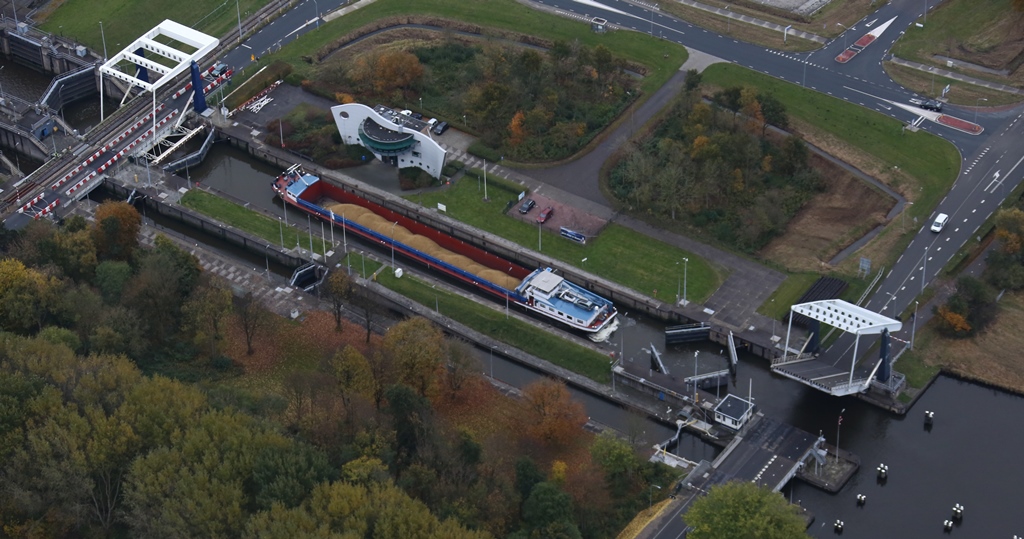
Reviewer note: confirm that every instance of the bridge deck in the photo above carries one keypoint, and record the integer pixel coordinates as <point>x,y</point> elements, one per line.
<point>768,453</point>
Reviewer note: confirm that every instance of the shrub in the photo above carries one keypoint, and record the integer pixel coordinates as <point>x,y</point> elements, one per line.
<point>483,151</point>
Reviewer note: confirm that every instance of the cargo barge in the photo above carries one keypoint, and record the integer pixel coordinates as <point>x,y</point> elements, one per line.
<point>541,291</point>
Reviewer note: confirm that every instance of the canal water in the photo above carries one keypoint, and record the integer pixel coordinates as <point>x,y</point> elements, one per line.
<point>969,456</point>
<point>29,84</point>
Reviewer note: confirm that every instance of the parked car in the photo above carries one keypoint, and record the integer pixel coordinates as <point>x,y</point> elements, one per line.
<point>417,116</point>
<point>440,128</point>
<point>545,215</point>
<point>528,205</point>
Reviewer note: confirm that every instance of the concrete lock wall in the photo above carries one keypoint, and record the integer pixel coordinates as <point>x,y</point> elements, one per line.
<point>623,297</point>
<point>244,240</point>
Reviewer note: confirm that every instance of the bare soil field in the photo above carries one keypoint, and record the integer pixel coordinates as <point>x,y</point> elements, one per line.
<point>847,210</point>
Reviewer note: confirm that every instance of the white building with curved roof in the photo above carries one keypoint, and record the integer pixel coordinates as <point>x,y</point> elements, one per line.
<point>395,138</point>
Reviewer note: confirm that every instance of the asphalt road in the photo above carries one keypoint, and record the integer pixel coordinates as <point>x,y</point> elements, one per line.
<point>990,168</point>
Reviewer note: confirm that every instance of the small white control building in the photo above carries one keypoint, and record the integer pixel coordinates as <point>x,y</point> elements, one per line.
<point>733,411</point>
<point>395,138</point>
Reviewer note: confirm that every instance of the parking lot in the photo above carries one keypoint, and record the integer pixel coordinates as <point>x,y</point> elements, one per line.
<point>563,215</point>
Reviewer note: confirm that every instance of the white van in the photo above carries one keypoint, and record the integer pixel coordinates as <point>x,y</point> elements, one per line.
<point>940,222</point>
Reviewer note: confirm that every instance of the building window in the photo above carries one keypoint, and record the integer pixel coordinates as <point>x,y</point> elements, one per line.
<point>416,154</point>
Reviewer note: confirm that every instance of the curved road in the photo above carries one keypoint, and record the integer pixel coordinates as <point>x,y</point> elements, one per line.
<point>990,161</point>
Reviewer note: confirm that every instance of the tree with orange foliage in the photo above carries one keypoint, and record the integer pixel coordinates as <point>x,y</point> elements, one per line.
<point>116,231</point>
<point>552,417</point>
<point>955,322</point>
<point>396,70</point>
<point>751,109</point>
<point>516,132</point>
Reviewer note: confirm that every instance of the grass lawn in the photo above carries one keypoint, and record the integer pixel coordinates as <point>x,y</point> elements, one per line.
<point>979,25</point>
<point>787,294</point>
<point>245,219</point>
<point>361,265</point>
<point>913,363</point>
<point>661,57</point>
<point>493,323</point>
<point>125,20</point>
<point>618,253</point>
<point>930,162</point>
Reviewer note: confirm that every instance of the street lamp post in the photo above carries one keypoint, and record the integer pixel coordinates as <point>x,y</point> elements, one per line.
<point>650,495</point>
<point>686,263</point>
<point>913,327</point>
<point>317,18</point>
<point>393,245</point>
<point>104,38</point>
<point>976,105</point>
<point>238,11</point>
<point>1,85</point>
<point>839,424</point>
<point>844,33</point>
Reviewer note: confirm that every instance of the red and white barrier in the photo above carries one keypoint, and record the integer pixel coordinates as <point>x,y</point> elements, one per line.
<point>49,207</point>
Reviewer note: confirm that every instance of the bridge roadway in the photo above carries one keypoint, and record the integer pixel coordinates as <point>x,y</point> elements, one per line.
<point>767,452</point>
<point>71,168</point>
<point>119,143</point>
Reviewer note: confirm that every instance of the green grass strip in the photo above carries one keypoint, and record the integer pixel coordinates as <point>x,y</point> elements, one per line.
<point>618,254</point>
<point>933,162</point>
<point>248,220</point>
<point>512,331</point>
<point>777,305</point>
<point>125,20</point>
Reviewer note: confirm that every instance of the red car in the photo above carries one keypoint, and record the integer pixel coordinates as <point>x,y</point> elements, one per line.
<point>545,215</point>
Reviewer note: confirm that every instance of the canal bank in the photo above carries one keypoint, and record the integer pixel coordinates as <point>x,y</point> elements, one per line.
<point>929,470</point>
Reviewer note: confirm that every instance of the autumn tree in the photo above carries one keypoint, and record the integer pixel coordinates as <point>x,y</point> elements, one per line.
<point>339,290</point>
<point>387,71</point>
<point>353,374</point>
<point>205,311</point>
<point>411,420</point>
<point>116,231</point>
<point>549,510</point>
<point>773,113</point>
<point>618,460</point>
<point>552,417</point>
<point>196,486</point>
<point>461,366</point>
<point>516,132</point>
<point>253,317</point>
<point>166,276</point>
<point>1006,264</point>
<point>111,276</point>
<point>417,348</point>
<point>969,310</point>
<point>72,250</point>
<point>750,107</point>
<point>26,296</point>
<point>741,510</point>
